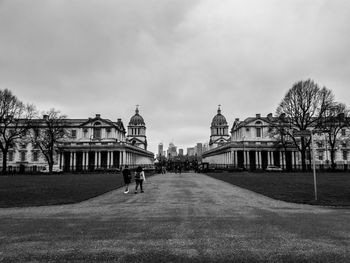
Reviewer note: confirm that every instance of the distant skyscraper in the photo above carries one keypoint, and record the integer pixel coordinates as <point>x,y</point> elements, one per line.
<point>160,149</point>
<point>190,151</point>
<point>172,150</point>
<point>199,148</point>
<point>181,151</point>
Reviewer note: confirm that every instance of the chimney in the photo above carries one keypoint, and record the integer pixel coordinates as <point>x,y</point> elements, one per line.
<point>258,115</point>
<point>237,119</point>
<point>98,115</point>
<point>269,116</point>
<point>45,117</point>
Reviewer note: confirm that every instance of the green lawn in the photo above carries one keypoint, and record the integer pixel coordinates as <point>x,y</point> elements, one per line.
<point>333,188</point>
<point>36,190</point>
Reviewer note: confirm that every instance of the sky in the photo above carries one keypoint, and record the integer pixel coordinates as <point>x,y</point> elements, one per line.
<point>177,59</point>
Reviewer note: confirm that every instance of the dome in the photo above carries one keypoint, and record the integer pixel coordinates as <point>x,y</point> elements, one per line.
<point>137,119</point>
<point>219,119</point>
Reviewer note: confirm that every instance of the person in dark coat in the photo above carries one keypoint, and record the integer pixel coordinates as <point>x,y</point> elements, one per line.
<point>127,178</point>
<point>139,178</point>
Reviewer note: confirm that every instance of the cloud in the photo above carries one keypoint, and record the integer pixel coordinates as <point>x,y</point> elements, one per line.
<point>177,59</point>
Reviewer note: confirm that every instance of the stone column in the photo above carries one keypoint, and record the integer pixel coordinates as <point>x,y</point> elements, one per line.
<point>96,159</point>
<point>108,159</point>
<point>260,161</point>
<point>84,160</point>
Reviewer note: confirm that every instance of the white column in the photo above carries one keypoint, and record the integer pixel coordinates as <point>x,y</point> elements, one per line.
<point>108,159</point>
<point>268,158</point>
<point>293,160</point>
<point>84,159</point>
<point>112,158</point>
<point>260,161</point>
<point>71,161</point>
<point>248,158</point>
<point>96,159</point>
<point>256,160</point>
<point>61,160</point>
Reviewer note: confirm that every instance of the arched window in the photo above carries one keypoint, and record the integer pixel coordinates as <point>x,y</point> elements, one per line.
<point>97,130</point>
<point>258,129</point>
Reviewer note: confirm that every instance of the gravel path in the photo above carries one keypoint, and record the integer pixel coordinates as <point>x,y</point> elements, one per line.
<point>187,217</point>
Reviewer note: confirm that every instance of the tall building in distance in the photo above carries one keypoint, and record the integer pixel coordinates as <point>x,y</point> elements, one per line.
<point>172,150</point>
<point>160,150</point>
<point>190,151</point>
<point>181,152</point>
<point>199,149</point>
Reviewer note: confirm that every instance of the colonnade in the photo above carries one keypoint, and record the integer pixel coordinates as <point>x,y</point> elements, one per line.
<point>91,160</point>
<point>256,158</point>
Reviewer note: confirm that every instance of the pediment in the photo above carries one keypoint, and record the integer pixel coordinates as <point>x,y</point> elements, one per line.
<point>253,122</point>
<point>91,122</point>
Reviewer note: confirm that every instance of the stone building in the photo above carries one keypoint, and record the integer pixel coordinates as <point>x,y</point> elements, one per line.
<point>94,144</point>
<point>252,147</point>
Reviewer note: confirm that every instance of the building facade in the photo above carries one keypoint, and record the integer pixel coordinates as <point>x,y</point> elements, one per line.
<point>252,147</point>
<point>94,144</point>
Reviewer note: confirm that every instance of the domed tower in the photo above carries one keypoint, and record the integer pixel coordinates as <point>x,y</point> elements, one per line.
<point>137,130</point>
<point>219,130</point>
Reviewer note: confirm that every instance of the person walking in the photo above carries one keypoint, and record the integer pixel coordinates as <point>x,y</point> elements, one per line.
<point>139,178</point>
<point>127,178</point>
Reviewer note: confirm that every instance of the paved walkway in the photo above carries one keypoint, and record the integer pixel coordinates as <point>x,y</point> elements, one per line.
<point>187,217</point>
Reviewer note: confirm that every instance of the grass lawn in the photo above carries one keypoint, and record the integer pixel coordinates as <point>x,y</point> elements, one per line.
<point>37,190</point>
<point>333,188</point>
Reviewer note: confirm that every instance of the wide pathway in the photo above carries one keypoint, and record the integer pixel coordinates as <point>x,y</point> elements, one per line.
<point>179,218</point>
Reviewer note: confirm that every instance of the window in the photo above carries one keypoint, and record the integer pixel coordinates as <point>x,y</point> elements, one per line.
<point>74,134</point>
<point>85,133</point>
<point>97,130</point>
<point>23,156</point>
<point>23,146</point>
<point>258,132</point>
<point>345,155</point>
<point>320,155</point>
<point>10,156</point>
<point>35,156</point>
<point>343,132</point>
<point>108,131</point>
<point>343,145</point>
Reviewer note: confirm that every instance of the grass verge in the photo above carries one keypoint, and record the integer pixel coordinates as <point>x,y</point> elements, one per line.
<point>333,189</point>
<point>54,189</point>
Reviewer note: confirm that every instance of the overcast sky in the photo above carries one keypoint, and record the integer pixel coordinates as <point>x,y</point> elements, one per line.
<point>178,59</point>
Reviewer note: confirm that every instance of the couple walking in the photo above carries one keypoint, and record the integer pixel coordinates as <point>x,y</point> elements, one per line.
<point>139,178</point>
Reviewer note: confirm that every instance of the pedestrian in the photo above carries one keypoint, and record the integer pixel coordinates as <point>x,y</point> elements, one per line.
<point>139,178</point>
<point>127,178</point>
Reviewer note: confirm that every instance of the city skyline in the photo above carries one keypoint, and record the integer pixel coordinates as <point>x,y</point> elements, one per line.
<point>177,59</point>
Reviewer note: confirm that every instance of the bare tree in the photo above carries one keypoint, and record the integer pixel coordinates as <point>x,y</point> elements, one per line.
<point>301,109</point>
<point>333,121</point>
<point>48,132</point>
<point>15,121</point>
